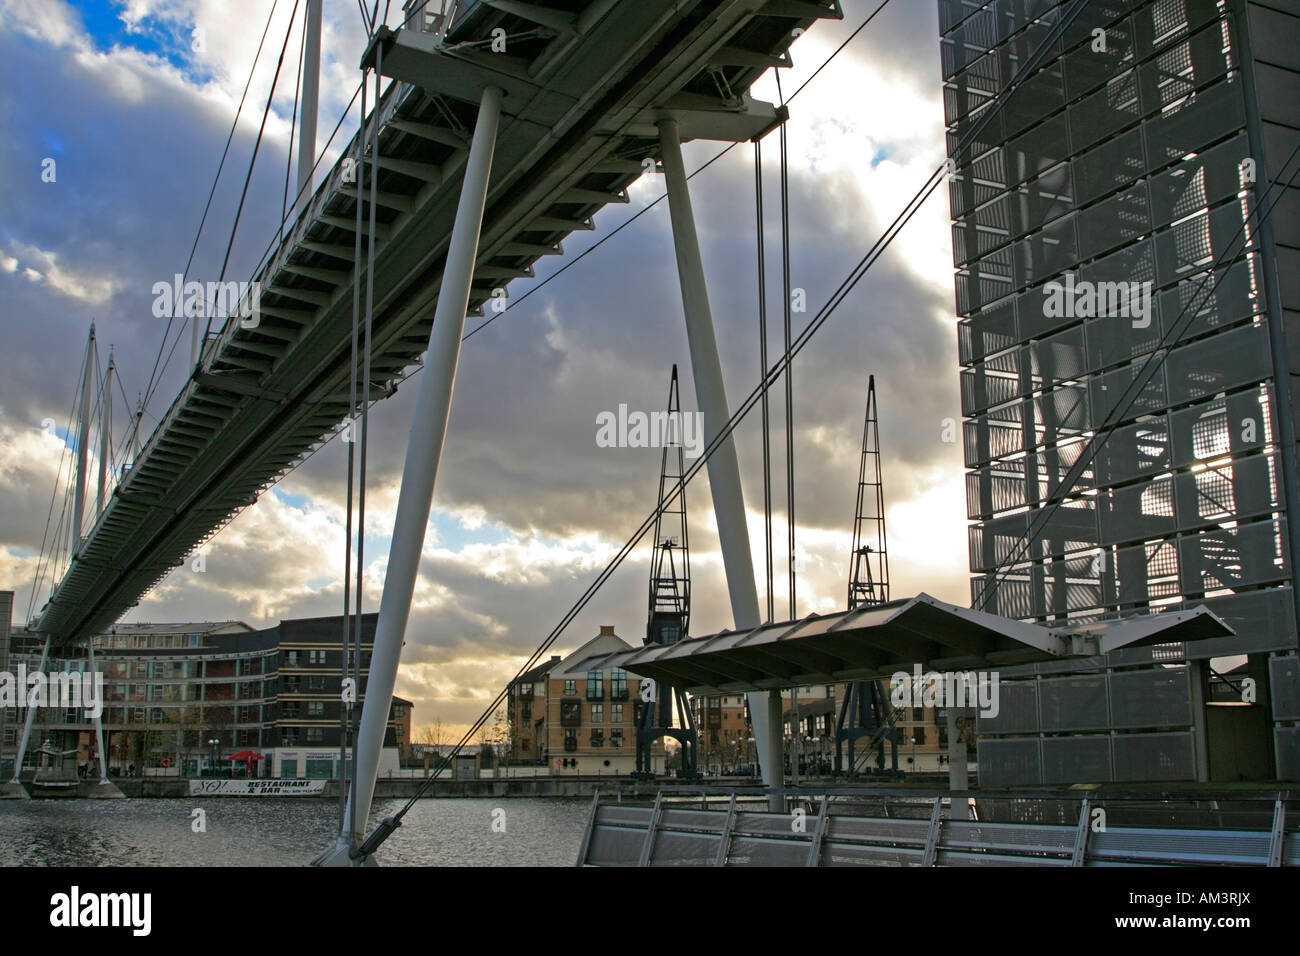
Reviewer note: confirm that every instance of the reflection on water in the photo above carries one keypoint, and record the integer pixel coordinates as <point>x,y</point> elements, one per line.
<point>287,831</point>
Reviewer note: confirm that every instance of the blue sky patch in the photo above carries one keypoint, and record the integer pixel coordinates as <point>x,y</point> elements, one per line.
<point>166,40</point>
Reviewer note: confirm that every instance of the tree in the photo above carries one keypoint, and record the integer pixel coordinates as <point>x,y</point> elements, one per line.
<point>436,733</point>
<point>501,732</point>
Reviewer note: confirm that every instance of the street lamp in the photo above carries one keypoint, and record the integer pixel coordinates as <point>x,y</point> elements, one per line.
<point>213,743</point>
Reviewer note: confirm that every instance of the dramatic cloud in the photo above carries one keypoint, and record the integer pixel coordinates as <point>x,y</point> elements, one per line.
<point>133,102</point>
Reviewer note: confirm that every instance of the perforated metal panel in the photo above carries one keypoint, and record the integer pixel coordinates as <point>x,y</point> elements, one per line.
<point>1284,687</point>
<point>1153,756</point>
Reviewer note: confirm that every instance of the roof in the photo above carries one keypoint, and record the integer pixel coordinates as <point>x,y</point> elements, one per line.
<point>181,627</point>
<point>599,647</point>
<point>537,673</point>
<point>875,641</point>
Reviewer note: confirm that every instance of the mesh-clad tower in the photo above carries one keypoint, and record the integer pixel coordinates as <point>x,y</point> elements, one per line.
<point>1143,149</point>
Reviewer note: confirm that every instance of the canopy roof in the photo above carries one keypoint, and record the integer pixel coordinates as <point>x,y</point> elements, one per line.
<point>875,641</point>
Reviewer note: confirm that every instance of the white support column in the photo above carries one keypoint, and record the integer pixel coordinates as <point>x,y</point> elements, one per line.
<point>309,109</point>
<point>420,470</point>
<point>105,429</point>
<point>770,757</point>
<point>724,470</point>
<point>83,449</point>
<point>958,773</point>
<point>27,723</point>
<point>98,721</point>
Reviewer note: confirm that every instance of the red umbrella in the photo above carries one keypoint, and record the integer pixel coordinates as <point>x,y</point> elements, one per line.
<point>248,756</point>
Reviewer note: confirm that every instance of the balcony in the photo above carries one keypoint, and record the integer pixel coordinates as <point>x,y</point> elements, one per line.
<point>618,692</point>
<point>595,693</point>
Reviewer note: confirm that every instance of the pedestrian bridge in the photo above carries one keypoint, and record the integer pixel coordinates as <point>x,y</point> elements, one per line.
<point>582,86</point>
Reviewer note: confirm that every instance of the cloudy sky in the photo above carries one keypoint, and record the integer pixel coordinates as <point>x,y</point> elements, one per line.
<point>132,100</point>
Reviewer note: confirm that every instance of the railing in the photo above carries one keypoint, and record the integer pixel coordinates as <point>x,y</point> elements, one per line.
<point>911,828</point>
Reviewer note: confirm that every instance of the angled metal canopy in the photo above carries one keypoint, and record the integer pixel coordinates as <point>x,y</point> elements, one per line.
<point>873,642</point>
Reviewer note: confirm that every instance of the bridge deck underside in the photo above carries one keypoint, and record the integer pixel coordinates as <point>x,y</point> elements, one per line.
<point>581,96</point>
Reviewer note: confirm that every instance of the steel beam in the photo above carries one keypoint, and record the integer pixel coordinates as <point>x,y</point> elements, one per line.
<point>423,455</point>
<point>29,720</point>
<point>723,467</point>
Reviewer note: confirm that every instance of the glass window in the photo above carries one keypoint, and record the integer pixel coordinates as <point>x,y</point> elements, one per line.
<point>315,708</point>
<point>320,769</point>
<point>316,657</point>
<point>315,735</point>
<point>618,684</point>
<point>616,737</point>
<point>597,713</point>
<point>615,713</point>
<point>595,685</point>
<point>289,768</point>
<point>570,688</point>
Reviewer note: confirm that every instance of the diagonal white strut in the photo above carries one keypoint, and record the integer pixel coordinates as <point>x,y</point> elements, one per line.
<point>420,470</point>
<point>724,470</point>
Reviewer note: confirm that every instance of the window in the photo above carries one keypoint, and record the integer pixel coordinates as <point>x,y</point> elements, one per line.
<point>597,713</point>
<point>570,688</point>
<point>570,713</point>
<point>316,657</point>
<point>618,684</point>
<point>595,685</point>
<point>597,737</point>
<point>918,714</point>
<point>320,769</point>
<point>525,744</point>
<point>315,735</point>
<point>570,740</point>
<point>616,737</point>
<point>918,734</point>
<point>526,710</point>
<point>615,713</point>
<point>289,738</point>
<point>291,659</point>
<point>316,683</point>
<point>315,708</point>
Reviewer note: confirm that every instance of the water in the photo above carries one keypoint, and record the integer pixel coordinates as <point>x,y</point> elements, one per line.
<point>286,831</point>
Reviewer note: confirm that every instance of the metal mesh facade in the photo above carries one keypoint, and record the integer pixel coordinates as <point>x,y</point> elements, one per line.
<point>1086,216</point>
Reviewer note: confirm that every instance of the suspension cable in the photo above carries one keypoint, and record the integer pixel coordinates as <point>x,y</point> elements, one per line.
<point>43,561</point>
<point>248,177</point>
<point>149,387</point>
<point>873,254</point>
